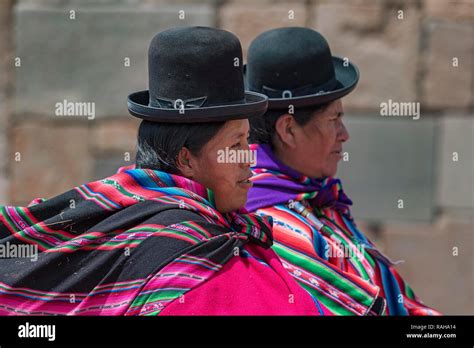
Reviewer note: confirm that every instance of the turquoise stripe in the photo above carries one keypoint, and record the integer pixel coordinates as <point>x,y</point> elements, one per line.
<point>355,231</point>
<point>94,193</point>
<point>142,178</point>
<point>392,291</point>
<point>246,254</point>
<point>319,243</point>
<point>318,305</point>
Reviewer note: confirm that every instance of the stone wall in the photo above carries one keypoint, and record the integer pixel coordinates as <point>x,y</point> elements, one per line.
<point>5,95</point>
<point>407,51</point>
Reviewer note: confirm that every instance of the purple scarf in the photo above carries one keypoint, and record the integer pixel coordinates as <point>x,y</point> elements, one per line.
<point>275,183</point>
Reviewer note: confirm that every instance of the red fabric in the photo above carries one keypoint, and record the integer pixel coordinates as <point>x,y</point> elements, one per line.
<point>245,286</point>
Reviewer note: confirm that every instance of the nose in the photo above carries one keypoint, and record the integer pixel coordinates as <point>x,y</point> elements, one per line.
<point>248,158</point>
<point>343,133</point>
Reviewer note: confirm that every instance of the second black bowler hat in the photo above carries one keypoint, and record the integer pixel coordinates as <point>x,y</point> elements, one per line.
<point>294,66</point>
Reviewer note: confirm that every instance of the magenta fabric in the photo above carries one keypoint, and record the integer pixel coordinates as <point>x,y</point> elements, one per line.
<point>264,289</point>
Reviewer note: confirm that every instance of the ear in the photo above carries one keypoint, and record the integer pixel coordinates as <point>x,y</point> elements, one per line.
<point>285,130</point>
<point>184,162</point>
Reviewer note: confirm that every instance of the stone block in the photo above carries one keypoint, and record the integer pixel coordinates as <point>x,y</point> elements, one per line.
<point>448,65</point>
<point>247,19</point>
<point>438,263</point>
<point>454,10</point>
<point>46,160</point>
<point>390,159</point>
<point>116,136</point>
<point>456,162</point>
<point>384,47</point>
<point>85,59</point>
<point>107,164</point>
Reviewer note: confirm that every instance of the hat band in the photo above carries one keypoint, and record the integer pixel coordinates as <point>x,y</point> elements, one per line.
<point>300,91</point>
<point>192,103</point>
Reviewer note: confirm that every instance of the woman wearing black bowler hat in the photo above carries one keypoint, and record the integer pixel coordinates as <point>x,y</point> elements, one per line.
<point>168,236</point>
<point>299,144</point>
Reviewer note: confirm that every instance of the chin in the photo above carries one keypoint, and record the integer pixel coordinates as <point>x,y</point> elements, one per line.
<point>230,200</point>
<point>226,210</point>
<point>240,204</point>
<point>231,206</point>
<point>330,172</point>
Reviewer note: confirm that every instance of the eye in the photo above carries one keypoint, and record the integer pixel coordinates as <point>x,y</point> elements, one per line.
<point>235,145</point>
<point>337,117</point>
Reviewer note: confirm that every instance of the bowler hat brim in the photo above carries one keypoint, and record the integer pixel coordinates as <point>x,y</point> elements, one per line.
<point>254,104</point>
<point>347,76</point>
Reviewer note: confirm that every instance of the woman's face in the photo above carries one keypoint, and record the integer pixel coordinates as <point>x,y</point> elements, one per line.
<point>220,173</point>
<point>318,144</point>
<point>314,149</point>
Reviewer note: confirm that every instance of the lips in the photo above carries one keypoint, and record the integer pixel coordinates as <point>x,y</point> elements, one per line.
<point>246,180</point>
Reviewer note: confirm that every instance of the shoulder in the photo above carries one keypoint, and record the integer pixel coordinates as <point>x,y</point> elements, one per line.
<point>187,222</point>
<point>173,216</point>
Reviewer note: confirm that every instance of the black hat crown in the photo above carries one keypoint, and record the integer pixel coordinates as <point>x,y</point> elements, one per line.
<point>185,64</point>
<point>295,66</point>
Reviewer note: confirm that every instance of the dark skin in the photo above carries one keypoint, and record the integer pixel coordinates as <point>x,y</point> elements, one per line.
<point>321,139</point>
<point>228,181</point>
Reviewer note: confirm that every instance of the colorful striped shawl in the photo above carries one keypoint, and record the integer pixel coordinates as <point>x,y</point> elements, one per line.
<point>314,232</point>
<point>126,245</point>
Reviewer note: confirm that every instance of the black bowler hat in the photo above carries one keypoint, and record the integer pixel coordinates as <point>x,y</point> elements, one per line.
<point>195,75</point>
<point>294,66</point>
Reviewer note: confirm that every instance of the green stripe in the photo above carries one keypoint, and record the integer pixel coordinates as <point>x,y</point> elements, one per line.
<point>142,300</point>
<point>148,229</point>
<point>23,214</point>
<point>166,229</point>
<point>409,292</point>
<point>7,218</point>
<point>120,188</point>
<point>181,234</point>
<point>118,285</point>
<point>334,306</point>
<point>354,241</point>
<point>41,294</point>
<point>196,228</point>
<point>58,233</point>
<point>357,263</point>
<point>22,233</point>
<point>110,244</point>
<point>96,197</point>
<point>325,273</point>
